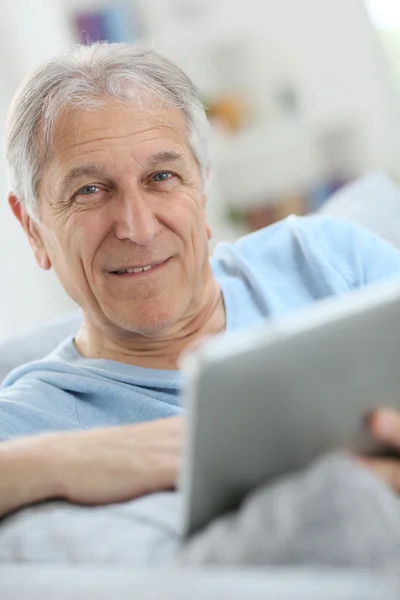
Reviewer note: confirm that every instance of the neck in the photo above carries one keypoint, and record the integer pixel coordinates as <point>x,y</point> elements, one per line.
<point>161,352</point>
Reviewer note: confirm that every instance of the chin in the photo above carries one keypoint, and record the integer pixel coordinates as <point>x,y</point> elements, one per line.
<point>151,324</point>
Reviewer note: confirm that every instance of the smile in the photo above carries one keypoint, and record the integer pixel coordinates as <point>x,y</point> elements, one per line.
<point>143,269</point>
<point>135,270</point>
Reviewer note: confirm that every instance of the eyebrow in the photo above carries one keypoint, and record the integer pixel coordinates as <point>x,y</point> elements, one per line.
<point>92,170</point>
<point>167,157</point>
<point>76,173</point>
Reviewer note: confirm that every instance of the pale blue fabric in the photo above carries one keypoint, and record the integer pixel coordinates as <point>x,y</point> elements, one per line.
<point>270,273</point>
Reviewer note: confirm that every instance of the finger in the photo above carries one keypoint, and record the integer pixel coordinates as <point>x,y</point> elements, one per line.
<point>388,470</point>
<point>384,425</point>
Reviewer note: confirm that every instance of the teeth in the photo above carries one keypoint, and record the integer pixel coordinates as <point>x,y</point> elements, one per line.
<point>135,270</point>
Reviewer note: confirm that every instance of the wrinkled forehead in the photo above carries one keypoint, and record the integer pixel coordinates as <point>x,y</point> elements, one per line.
<point>116,123</point>
<point>112,135</point>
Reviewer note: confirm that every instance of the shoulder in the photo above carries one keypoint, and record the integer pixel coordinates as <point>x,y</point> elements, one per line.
<point>337,245</point>
<point>291,230</point>
<point>361,254</point>
<point>60,360</point>
<point>36,397</point>
<point>330,233</point>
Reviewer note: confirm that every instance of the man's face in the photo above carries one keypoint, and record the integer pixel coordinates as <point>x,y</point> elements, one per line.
<point>123,191</point>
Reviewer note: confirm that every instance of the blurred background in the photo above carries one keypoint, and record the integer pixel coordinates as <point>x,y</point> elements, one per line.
<point>303,96</point>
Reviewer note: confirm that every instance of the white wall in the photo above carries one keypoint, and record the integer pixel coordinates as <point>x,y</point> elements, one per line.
<point>336,54</point>
<point>332,53</point>
<point>30,31</point>
<point>328,49</point>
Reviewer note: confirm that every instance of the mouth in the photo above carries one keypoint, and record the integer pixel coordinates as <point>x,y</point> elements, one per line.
<point>138,270</point>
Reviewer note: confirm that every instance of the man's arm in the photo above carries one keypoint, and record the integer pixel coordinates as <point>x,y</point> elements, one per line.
<point>116,464</point>
<point>99,466</point>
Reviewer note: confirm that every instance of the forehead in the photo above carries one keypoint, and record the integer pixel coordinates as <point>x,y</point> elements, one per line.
<point>117,127</point>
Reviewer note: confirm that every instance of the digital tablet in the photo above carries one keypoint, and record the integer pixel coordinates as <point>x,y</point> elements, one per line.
<point>265,403</point>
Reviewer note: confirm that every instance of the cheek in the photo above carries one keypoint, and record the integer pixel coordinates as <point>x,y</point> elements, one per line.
<point>82,234</point>
<point>193,233</point>
<point>186,217</point>
<point>68,245</point>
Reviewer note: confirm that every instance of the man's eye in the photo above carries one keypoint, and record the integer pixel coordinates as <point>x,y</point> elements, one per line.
<point>88,190</point>
<point>162,176</point>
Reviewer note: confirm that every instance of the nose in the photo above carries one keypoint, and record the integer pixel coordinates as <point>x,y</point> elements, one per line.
<point>134,218</point>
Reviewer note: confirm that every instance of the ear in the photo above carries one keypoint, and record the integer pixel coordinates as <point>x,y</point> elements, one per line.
<point>32,231</point>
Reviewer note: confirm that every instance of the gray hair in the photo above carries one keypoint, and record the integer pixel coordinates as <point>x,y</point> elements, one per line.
<point>85,79</point>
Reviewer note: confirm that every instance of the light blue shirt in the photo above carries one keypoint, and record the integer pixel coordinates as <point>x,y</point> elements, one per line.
<point>269,273</point>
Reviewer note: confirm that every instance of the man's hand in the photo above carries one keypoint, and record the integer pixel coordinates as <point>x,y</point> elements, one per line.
<point>384,425</point>
<point>98,466</point>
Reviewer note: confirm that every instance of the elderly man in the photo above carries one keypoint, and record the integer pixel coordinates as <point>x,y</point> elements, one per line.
<point>107,151</point>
